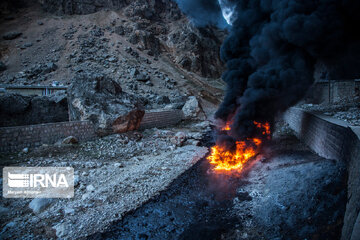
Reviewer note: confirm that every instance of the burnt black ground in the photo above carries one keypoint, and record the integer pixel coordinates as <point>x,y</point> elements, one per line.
<point>290,193</point>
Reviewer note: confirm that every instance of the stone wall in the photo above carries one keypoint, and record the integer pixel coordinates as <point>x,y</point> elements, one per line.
<point>17,138</point>
<point>333,139</point>
<point>161,119</point>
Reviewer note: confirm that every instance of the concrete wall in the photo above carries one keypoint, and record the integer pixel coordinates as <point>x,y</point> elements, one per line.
<point>339,90</point>
<point>17,138</point>
<point>333,139</point>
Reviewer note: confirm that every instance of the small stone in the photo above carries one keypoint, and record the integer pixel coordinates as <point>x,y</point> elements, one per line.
<point>195,142</point>
<point>85,196</point>
<point>134,72</point>
<point>178,139</point>
<point>76,180</point>
<point>69,210</point>
<point>203,125</point>
<point>112,59</point>
<point>196,136</point>
<point>25,150</point>
<point>61,230</point>
<point>118,165</point>
<point>162,100</point>
<point>28,44</point>
<point>142,77</point>
<point>39,204</point>
<point>11,35</point>
<point>90,188</point>
<point>119,30</point>
<point>49,67</point>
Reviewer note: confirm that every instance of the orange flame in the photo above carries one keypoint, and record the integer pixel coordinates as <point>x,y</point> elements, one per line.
<point>223,159</point>
<point>265,127</point>
<point>226,127</point>
<point>226,160</point>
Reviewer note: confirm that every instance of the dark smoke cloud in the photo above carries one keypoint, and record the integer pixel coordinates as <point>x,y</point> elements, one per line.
<point>271,52</point>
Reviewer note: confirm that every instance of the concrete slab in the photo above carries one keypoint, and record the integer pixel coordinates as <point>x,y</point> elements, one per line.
<point>356,130</point>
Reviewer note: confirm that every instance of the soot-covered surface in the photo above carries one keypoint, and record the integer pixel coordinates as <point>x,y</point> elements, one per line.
<point>289,194</point>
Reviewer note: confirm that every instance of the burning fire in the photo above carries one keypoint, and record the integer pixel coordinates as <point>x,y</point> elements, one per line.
<point>226,160</point>
<point>226,127</point>
<point>265,127</point>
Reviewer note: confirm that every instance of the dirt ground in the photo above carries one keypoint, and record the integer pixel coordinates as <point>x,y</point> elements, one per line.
<point>113,175</point>
<point>287,192</point>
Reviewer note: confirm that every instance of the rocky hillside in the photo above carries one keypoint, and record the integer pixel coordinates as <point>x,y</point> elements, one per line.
<point>142,40</point>
<point>156,26</point>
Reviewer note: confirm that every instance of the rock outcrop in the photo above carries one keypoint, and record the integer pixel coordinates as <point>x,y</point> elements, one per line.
<point>101,100</point>
<point>17,110</point>
<point>196,49</point>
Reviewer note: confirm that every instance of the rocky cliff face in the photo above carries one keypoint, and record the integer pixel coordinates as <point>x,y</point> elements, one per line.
<point>158,27</point>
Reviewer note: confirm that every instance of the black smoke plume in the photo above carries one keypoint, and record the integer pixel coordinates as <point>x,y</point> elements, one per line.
<point>271,52</point>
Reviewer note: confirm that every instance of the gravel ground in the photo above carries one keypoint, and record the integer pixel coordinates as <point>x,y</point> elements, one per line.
<point>113,175</point>
<point>346,111</point>
<point>286,193</point>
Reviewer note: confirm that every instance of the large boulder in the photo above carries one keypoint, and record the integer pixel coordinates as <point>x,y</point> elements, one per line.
<point>101,100</point>
<point>192,109</point>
